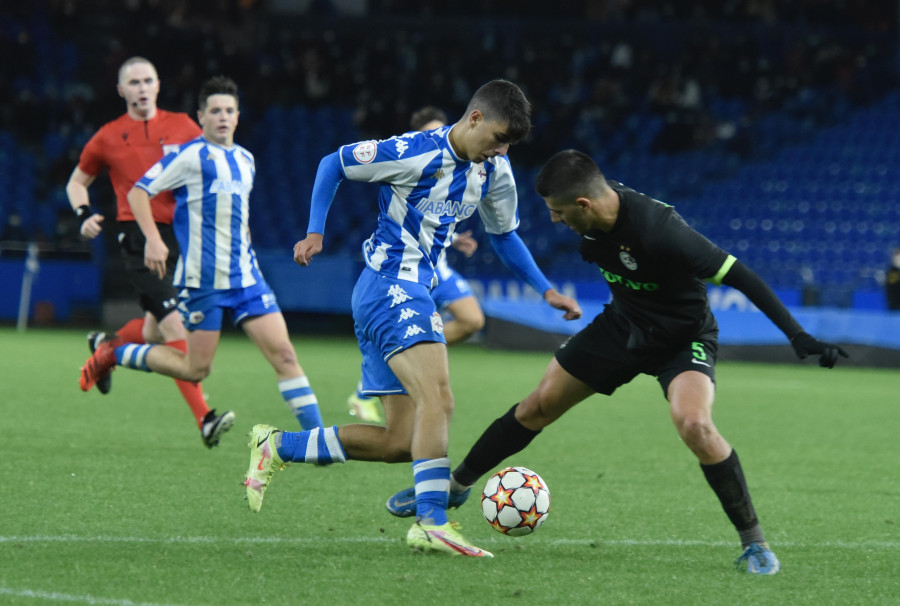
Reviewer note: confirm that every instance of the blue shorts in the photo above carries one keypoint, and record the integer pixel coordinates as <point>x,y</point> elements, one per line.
<point>452,287</point>
<point>390,315</point>
<point>202,308</point>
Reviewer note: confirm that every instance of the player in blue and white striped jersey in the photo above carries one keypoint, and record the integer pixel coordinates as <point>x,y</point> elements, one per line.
<point>453,296</point>
<point>430,181</point>
<point>212,177</point>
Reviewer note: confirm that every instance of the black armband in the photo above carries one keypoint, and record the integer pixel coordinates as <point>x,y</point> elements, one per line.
<point>83,212</point>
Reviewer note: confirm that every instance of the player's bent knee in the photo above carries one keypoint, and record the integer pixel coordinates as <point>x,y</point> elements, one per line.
<point>531,414</point>
<point>695,430</point>
<point>195,375</point>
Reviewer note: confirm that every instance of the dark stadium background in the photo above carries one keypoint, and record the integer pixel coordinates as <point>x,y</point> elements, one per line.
<point>771,126</point>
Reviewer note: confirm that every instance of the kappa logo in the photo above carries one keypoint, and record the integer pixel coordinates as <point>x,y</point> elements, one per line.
<point>399,295</point>
<point>268,300</point>
<point>402,146</point>
<point>406,313</point>
<point>412,331</point>
<point>169,303</point>
<point>365,152</point>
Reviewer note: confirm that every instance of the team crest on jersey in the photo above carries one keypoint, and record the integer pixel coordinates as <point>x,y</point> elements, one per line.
<point>437,324</point>
<point>170,148</point>
<point>365,152</point>
<point>195,317</point>
<point>627,260</point>
<point>482,174</point>
<point>154,171</point>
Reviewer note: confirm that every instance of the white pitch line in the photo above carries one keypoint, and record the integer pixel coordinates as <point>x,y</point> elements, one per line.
<point>397,539</point>
<point>54,596</point>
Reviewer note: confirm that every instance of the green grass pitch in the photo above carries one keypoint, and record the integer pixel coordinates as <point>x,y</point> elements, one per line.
<point>113,499</point>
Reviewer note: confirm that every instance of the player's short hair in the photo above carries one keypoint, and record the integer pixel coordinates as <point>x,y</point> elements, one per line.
<point>569,174</point>
<point>133,61</point>
<point>217,85</point>
<point>503,101</point>
<point>427,114</point>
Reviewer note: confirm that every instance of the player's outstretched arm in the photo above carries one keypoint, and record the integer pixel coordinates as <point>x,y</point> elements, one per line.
<point>558,300</point>
<point>307,248</point>
<point>328,177</point>
<point>516,256</point>
<point>805,344</point>
<point>748,282</point>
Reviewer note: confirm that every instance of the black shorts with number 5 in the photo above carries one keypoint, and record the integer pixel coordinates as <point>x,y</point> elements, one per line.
<point>598,357</point>
<point>157,296</point>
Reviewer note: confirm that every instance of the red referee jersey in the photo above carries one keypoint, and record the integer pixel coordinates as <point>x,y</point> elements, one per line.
<point>128,147</point>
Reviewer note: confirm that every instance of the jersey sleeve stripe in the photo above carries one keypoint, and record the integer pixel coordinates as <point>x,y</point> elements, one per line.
<point>717,279</point>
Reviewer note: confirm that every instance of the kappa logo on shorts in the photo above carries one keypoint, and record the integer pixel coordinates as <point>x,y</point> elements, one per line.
<point>399,295</point>
<point>268,300</point>
<point>169,303</point>
<point>412,331</point>
<point>406,313</point>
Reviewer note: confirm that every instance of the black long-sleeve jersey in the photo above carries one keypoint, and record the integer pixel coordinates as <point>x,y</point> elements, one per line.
<point>656,266</point>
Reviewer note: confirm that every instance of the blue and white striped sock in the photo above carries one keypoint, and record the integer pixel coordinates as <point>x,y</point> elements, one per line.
<point>302,401</point>
<point>133,356</point>
<point>320,446</point>
<point>432,478</point>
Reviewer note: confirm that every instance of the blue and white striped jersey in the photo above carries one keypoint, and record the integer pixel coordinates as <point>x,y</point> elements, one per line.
<point>427,189</point>
<point>212,187</point>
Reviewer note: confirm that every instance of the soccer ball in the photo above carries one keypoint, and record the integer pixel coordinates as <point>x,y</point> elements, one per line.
<point>515,501</point>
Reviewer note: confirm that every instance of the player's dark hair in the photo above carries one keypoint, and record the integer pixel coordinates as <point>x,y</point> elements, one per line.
<point>217,85</point>
<point>427,114</point>
<point>503,101</point>
<point>568,174</point>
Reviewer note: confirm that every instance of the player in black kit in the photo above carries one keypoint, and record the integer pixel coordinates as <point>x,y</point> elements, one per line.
<point>658,323</point>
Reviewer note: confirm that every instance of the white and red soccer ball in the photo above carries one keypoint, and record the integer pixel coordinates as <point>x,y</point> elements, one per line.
<point>515,501</point>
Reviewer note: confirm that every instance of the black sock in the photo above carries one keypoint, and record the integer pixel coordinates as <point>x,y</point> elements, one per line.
<point>504,437</point>
<point>727,481</point>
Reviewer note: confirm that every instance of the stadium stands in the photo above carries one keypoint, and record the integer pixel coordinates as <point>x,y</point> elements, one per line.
<point>769,131</point>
